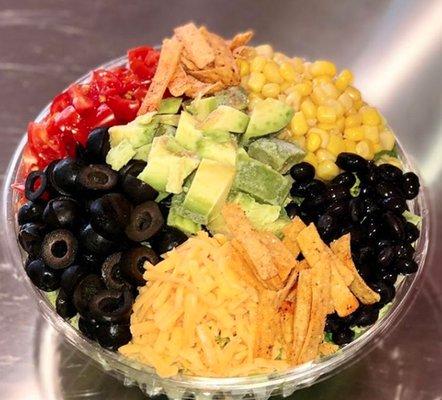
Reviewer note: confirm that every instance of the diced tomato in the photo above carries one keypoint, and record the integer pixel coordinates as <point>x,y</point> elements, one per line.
<point>104,117</point>
<point>143,61</point>
<point>125,109</point>
<point>128,79</point>
<point>80,98</point>
<point>106,82</point>
<point>140,93</point>
<point>60,102</point>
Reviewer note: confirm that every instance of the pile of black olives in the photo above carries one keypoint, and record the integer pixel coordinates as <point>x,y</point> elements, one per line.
<point>381,238</point>
<point>88,231</point>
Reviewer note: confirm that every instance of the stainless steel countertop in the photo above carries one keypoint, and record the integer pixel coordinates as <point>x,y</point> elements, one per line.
<point>394,49</point>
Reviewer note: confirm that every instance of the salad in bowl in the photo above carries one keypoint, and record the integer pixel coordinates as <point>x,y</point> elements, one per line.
<point>214,217</point>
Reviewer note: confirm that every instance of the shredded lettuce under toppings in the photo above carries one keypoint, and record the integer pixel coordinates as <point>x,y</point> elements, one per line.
<point>298,200</point>
<point>413,218</point>
<point>355,189</point>
<point>328,337</point>
<point>391,153</point>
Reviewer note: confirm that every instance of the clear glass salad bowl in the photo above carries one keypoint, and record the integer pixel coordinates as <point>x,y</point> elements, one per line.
<point>260,386</point>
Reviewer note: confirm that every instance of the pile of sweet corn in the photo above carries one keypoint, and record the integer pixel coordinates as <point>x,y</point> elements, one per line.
<point>330,115</point>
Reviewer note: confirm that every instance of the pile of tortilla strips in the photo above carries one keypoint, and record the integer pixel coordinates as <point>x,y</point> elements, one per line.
<point>195,62</point>
<point>295,297</point>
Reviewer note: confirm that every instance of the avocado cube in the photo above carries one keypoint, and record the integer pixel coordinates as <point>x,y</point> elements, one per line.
<point>268,116</point>
<point>187,134</point>
<point>142,153</point>
<point>234,96</point>
<point>201,108</point>
<point>226,118</point>
<point>277,153</point>
<point>171,105</point>
<point>120,155</point>
<point>208,191</point>
<point>222,152</point>
<point>175,219</point>
<point>167,119</point>
<point>261,181</point>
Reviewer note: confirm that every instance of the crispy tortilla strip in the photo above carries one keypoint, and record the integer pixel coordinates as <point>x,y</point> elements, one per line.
<point>267,325</point>
<point>288,288</point>
<point>223,54</point>
<point>195,44</point>
<point>341,247</point>
<point>286,312</point>
<point>291,232</point>
<point>187,63</point>
<point>343,300</point>
<point>303,264</point>
<point>244,52</point>
<point>312,247</point>
<point>302,312</point>
<point>167,64</point>
<point>241,229</point>
<point>320,275</point>
<point>282,257</point>
<point>215,74</point>
<point>197,88</point>
<point>179,82</point>
<point>327,349</point>
<point>240,39</point>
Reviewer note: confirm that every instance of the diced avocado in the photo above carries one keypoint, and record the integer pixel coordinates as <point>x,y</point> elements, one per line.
<point>222,152</point>
<point>200,108</point>
<point>175,218</point>
<point>171,105</point>
<point>277,153</point>
<point>167,119</point>
<point>120,155</point>
<point>161,196</point>
<point>166,170</point>
<point>142,153</point>
<point>187,134</point>
<point>217,225</point>
<point>164,129</point>
<point>268,116</point>
<point>208,191</point>
<point>277,226</point>
<point>218,136</point>
<point>138,132</point>
<point>226,118</point>
<point>234,96</point>
<point>260,215</point>
<point>261,181</point>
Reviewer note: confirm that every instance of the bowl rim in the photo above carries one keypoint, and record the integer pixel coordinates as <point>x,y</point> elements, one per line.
<point>406,292</point>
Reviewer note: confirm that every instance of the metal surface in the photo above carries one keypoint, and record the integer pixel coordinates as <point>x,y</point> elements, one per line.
<point>393,47</point>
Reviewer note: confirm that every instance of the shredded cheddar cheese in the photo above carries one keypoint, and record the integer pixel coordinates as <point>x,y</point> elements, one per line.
<point>196,316</point>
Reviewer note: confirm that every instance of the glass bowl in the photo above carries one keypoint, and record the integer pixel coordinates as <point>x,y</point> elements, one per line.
<point>259,386</point>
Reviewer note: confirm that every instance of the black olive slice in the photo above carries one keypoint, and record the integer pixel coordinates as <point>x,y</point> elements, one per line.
<point>59,249</point>
<point>111,273</point>
<point>62,212</point>
<point>95,243</point>
<point>36,184</point>
<point>111,306</point>
<point>97,178</point>
<point>85,290</point>
<point>112,336</point>
<point>98,144</point>
<point>132,263</point>
<point>64,175</point>
<point>64,306</point>
<point>30,238</point>
<point>88,327</point>
<point>167,239</point>
<point>70,278</point>
<point>145,221</point>
<point>110,215</point>
<point>45,278</point>
<point>30,212</point>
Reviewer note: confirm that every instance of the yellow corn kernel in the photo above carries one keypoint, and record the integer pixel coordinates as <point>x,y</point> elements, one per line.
<point>311,159</point>
<point>365,149</point>
<point>353,120</point>
<point>294,100</point>
<point>270,90</point>
<point>344,79</point>
<point>322,79</point>
<point>345,101</point>
<point>287,71</point>
<point>318,96</point>
<point>336,105</point>
<point>323,154</point>
<point>322,134</point>
<point>282,97</point>
<point>280,57</point>
<point>257,64</point>
<point>299,124</point>
<point>244,67</point>
<point>256,81</point>
<point>330,90</point>
<point>304,88</point>
<point>298,64</point>
<point>326,127</point>
<point>340,124</point>
<point>271,72</point>
<point>387,140</point>
<point>371,133</point>
<point>358,104</point>
<point>313,141</point>
<point>377,147</point>
<point>355,133</point>
<point>336,144</point>
<point>323,67</point>
<point>264,50</point>
<point>350,146</point>
<point>284,86</point>
<point>300,140</point>
<point>326,114</point>
<point>327,170</point>
<point>354,93</point>
<point>309,109</point>
<point>370,116</point>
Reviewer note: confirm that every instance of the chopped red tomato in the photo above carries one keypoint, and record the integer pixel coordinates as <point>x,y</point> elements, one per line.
<point>111,97</point>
